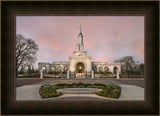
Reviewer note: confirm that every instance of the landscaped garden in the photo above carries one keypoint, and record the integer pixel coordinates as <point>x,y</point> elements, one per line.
<point>109,90</point>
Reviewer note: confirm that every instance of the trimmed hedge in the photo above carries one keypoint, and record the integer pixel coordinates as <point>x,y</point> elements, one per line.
<point>107,73</point>
<point>109,90</point>
<point>47,91</point>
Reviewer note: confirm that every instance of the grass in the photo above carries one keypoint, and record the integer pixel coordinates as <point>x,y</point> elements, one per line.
<point>109,90</point>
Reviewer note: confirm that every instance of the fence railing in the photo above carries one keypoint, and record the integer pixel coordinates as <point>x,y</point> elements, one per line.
<point>72,74</point>
<point>88,74</point>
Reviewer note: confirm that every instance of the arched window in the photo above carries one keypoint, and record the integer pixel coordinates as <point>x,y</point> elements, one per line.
<point>106,69</point>
<point>100,69</point>
<point>58,69</point>
<point>95,69</point>
<point>65,69</point>
<point>115,70</point>
<point>53,69</point>
<point>44,69</point>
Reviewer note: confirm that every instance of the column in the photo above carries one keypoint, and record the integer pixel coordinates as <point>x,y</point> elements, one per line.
<point>67,74</point>
<point>41,74</point>
<point>92,74</point>
<point>117,74</point>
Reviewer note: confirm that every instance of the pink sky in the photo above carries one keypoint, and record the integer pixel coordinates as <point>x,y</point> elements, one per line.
<point>105,37</point>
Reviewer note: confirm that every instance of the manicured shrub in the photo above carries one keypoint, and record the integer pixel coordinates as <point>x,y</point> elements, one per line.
<point>47,91</point>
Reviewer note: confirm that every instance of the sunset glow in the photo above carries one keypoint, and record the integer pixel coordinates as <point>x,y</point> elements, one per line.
<point>105,37</point>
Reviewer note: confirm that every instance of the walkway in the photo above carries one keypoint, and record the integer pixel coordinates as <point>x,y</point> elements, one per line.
<point>28,92</point>
<point>31,92</point>
<point>23,81</point>
<point>131,92</point>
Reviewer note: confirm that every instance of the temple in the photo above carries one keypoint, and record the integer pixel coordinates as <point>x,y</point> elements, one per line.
<point>80,63</point>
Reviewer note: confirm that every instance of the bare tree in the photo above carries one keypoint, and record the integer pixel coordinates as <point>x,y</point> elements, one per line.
<point>26,51</point>
<point>128,64</point>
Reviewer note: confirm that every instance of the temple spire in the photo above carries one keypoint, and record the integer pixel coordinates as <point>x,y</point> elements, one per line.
<point>80,27</point>
<point>80,45</point>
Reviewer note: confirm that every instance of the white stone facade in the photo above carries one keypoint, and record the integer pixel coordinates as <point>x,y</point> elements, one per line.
<point>79,60</point>
<point>74,60</point>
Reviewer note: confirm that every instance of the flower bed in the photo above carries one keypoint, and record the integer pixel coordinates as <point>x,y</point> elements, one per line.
<point>47,91</point>
<point>109,90</point>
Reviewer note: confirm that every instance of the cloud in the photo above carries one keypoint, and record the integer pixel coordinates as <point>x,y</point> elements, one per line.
<point>105,37</point>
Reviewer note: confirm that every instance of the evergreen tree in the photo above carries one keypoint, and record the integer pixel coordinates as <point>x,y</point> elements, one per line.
<point>141,68</point>
<point>29,69</point>
<point>32,69</point>
<point>21,70</point>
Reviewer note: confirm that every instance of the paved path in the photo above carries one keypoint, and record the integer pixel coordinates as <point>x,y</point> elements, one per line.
<point>31,92</point>
<point>23,81</point>
<point>28,92</point>
<point>131,92</point>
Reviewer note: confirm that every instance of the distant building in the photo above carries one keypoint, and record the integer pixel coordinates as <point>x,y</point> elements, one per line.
<point>79,63</point>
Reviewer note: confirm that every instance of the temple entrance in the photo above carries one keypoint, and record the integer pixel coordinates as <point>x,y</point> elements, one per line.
<point>80,69</point>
